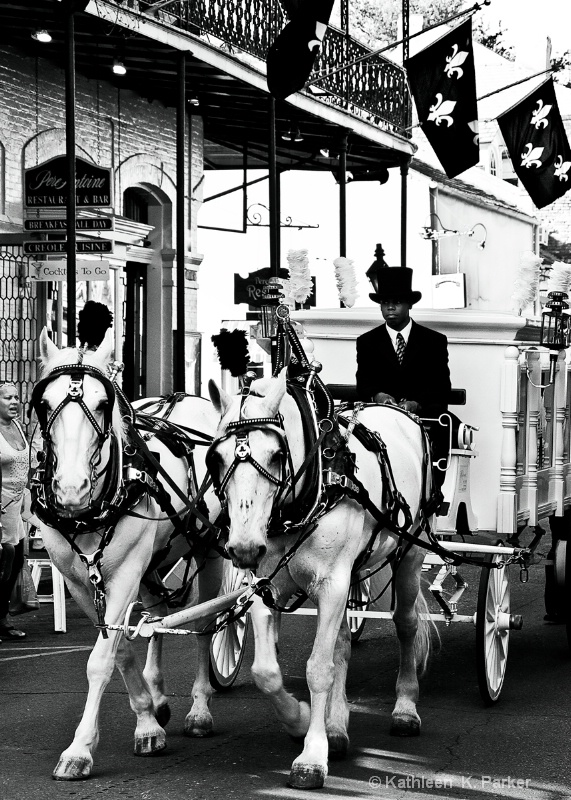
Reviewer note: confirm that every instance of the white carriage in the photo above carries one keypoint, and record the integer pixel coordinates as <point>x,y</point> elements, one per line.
<point>519,475</point>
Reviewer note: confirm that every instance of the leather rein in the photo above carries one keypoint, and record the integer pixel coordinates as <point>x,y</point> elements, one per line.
<point>131,473</point>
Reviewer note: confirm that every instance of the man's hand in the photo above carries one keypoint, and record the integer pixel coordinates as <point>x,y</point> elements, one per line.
<point>410,405</point>
<point>384,399</point>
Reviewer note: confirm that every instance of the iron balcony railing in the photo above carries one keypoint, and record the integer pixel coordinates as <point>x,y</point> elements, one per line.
<point>374,89</point>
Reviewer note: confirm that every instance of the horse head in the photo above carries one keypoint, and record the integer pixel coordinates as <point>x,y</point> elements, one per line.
<point>76,409</point>
<point>248,461</point>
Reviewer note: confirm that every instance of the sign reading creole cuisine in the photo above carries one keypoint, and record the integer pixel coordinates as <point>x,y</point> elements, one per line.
<point>45,186</point>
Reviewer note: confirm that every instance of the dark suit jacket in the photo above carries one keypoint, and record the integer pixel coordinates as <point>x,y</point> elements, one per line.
<point>423,376</point>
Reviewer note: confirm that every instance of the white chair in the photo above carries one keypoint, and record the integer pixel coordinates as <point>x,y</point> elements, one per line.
<point>37,565</point>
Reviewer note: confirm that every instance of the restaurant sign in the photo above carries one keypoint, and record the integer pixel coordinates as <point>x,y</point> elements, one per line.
<point>57,270</point>
<point>251,289</point>
<point>43,225</point>
<point>51,248</point>
<point>45,186</point>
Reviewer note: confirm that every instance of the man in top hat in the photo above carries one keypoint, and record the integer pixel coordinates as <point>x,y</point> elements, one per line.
<point>402,362</point>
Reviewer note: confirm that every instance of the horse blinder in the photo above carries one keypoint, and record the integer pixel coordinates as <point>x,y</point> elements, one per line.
<point>74,393</point>
<point>243,453</point>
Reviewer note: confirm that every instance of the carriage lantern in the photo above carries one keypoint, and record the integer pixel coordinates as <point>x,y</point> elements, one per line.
<point>378,264</point>
<point>555,328</point>
<point>271,296</point>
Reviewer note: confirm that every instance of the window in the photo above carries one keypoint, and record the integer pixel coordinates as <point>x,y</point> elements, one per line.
<point>493,163</point>
<point>135,205</point>
<point>2,179</point>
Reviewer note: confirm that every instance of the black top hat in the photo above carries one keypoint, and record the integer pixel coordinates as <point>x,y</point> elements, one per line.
<point>392,283</point>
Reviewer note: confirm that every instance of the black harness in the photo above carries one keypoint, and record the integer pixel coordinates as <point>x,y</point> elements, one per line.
<point>330,460</point>
<point>131,474</point>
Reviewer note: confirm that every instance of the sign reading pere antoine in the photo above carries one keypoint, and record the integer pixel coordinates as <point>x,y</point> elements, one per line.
<point>45,186</point>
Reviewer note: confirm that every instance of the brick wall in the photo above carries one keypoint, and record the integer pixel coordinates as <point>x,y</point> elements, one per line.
<point>115,128</point>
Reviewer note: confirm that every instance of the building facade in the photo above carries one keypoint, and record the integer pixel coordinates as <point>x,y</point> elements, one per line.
<point>192,96</point>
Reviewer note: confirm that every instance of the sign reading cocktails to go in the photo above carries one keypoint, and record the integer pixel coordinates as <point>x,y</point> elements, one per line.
<point>45,186</point>
<point>57,270</point>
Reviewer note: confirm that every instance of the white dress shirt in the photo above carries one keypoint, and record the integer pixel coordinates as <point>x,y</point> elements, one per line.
<point>405,333</point>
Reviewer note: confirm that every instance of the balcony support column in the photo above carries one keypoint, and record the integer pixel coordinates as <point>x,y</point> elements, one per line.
<point>342,179</point>
<point>273,192</point>
<point>70,163</point>
<point>180,359</point>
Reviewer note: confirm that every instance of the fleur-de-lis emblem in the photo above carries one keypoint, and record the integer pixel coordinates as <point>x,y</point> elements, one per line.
<point>314,45</point>
<point>440,111</point>
<point>539,116</point>
<point>475,130</point>
<point>530,158</point>
<point>453,62</point>
<point>562,168</point>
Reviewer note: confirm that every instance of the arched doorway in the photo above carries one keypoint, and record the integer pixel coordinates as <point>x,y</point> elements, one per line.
<point>147,313</point>
<point>136,208</point>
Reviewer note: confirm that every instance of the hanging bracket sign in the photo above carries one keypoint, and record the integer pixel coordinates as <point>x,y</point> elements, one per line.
<point>52,248</point>
<point>42,225</point>
<point>57,270</point>
<point>45,186</point>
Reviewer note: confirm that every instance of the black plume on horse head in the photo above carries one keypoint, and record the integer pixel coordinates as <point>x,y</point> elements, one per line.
<point>94,320</point>
<point>232,347</point>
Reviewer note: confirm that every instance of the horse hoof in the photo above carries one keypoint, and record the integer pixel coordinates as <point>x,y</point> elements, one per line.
<point>198,729</point>
<point>149,744</point>
<point>338,745</point>
<point>306,776</point>
<point>163,714</point>
<point>72,769</point>
<point>405,727</point>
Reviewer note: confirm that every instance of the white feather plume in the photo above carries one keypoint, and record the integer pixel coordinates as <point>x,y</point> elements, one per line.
<point>526,282</point>
<point>346,281</point>
<point>559,278</point>
<point>299,275</point>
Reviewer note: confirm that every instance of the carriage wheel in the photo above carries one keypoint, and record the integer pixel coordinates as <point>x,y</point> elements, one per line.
<point>493,623</point>
<point>562,570</point>
<point>229,644</point>
<point>358,593</point>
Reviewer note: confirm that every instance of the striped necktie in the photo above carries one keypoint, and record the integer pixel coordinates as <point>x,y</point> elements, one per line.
<point>401,346</point>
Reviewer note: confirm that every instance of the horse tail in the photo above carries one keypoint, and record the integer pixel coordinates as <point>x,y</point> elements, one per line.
<point>423,639</point>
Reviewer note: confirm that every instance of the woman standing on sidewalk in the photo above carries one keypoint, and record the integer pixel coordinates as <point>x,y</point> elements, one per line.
<point>14,457</point>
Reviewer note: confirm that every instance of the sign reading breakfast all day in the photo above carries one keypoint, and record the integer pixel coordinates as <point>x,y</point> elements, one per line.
<point>45,186</point>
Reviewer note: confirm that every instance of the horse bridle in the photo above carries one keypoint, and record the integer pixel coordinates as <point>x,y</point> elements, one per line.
<point>74,394</point>
<point>243,453</point>
<point>77,373</point>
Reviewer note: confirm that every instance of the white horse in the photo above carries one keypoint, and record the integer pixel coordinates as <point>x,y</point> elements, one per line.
<point>82,461</point>
<point>322,565</point>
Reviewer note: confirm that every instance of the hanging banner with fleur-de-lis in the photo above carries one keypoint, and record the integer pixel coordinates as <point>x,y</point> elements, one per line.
<point>538,146</point>
<point>291,57</point>
<point>442,81</point>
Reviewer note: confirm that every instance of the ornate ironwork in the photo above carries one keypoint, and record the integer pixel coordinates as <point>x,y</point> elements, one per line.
<point>374,89</point>
<point>18,328</point>
<point>255,218</point>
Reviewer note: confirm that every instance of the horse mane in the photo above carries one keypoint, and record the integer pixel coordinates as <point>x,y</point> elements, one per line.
<point>69,356</point>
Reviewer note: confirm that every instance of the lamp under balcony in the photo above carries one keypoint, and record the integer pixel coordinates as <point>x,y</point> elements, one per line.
<point>292,134</point>
<point>119,68</point>
<point>42,36</point>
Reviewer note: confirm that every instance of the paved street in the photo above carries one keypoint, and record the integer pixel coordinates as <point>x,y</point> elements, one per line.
<point>517,749</point>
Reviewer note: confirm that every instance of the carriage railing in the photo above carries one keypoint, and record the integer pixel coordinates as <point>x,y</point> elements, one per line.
<point>535,472</point>
<point>374,89</point>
